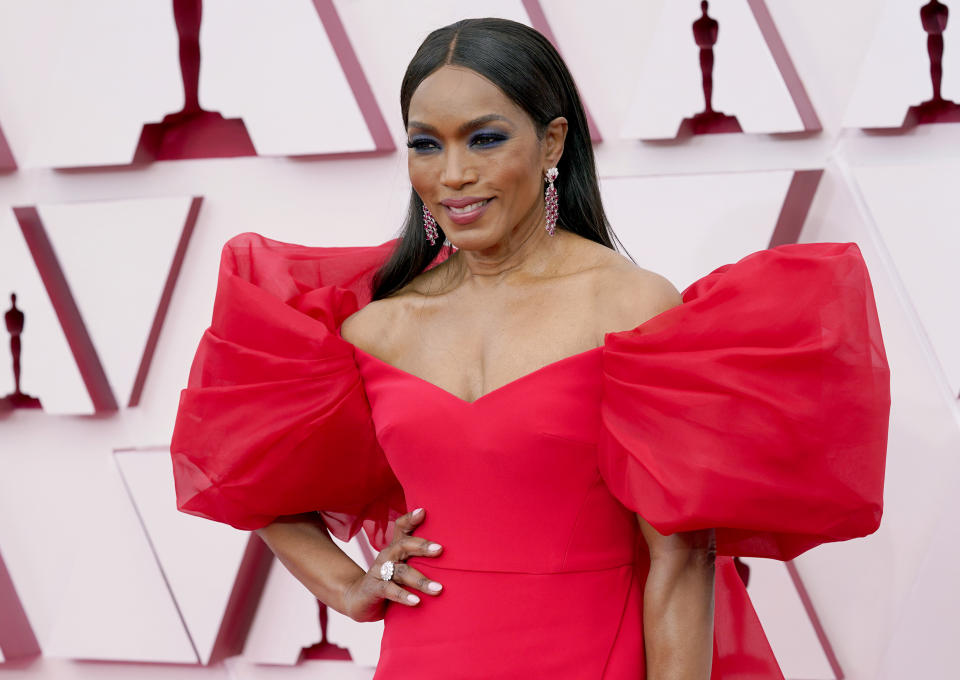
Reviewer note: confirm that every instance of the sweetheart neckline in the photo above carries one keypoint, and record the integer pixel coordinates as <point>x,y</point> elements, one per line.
<point>523,378</point>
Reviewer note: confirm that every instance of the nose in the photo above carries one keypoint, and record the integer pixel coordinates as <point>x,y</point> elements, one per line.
<point>457,170</point>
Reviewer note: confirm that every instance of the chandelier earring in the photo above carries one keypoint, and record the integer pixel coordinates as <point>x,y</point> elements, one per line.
<point>429,225</point>
<point>550,198</point>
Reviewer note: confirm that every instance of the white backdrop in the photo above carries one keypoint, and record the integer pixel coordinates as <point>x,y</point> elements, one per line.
<point>106,571</point>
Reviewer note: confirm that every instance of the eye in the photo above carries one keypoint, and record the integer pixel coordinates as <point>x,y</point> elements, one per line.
<point>486,138</point>
<point>423,144</point>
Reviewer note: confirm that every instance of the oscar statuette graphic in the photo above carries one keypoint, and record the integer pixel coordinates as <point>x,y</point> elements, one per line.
<point>192,132</point>
<point>14,319</point>
<point>706,30</point>
<point>934,16</point>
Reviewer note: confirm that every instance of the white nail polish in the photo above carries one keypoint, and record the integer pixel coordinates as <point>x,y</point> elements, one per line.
<point>413,599</point>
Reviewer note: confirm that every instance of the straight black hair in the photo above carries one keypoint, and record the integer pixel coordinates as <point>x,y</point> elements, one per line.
<point>527,69</point>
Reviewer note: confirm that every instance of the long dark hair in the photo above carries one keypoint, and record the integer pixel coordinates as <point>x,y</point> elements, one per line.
<point>527,68</point>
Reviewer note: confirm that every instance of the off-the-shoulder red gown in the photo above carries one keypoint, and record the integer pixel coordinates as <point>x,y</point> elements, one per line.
<point>758,407</point>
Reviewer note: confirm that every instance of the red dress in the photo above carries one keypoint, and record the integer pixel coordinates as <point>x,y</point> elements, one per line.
<point>758,407</point>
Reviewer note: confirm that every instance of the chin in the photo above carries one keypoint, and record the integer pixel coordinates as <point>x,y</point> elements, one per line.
<point>475,238</point>
<point>473,241</point>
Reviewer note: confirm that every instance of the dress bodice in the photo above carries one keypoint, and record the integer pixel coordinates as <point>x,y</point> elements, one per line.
<point>517,468</point>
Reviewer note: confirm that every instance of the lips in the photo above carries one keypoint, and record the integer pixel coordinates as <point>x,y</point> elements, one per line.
<point>463,201</point>
<point>470,207</point>
<point>465,210</point>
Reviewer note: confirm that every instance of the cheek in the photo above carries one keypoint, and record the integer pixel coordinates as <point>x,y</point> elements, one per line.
<point>522,182</point>
<point>418,176</point>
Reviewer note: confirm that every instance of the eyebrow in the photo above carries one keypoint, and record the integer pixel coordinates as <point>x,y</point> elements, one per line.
<point>466,127</point>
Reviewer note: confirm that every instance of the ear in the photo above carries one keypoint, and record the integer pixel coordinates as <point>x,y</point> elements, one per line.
<point>553,138</point>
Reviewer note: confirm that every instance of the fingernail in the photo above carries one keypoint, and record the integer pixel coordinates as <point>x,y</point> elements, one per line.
<point>413,599</point>
<point>434,586</point>
<point>418,511</point>
<point>433,547</point>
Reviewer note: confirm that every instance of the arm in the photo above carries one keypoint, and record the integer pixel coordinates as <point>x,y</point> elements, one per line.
<point>303,545</point>
<point>678,604</point>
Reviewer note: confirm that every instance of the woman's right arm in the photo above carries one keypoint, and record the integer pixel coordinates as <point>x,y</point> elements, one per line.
<point>303,545</point>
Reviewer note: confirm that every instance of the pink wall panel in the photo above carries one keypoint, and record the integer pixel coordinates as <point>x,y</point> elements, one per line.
<point>300,138</point>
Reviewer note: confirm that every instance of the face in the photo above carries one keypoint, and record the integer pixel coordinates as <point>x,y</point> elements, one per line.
<point>475,159</point>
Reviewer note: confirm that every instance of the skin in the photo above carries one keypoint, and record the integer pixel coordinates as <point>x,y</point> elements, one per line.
<point>511,300</point>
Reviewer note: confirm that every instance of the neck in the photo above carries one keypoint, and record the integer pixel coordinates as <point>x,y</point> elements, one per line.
<point>525,250</point>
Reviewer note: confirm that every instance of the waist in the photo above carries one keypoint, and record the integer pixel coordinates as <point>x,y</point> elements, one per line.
<point>616,558</point>
<point>581,528</point>
<point>509,625</point>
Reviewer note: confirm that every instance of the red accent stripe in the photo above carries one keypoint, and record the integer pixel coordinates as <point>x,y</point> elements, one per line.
<point>796,207</point>
<point>244,599</point>
<point>815,620</point>
<point>16,635</point>
<point>352,69</point>
<point>801,100</point>
<point>539,21</point>
<point>64,304</point>
<point>7,162</point>
<point>164,303</point>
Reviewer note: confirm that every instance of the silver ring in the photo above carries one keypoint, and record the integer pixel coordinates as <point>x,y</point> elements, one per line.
<point>386,571</point>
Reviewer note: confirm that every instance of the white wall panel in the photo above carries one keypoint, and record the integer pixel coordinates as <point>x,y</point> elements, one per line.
<point>746,80</point>
<point>198,559</point>
<point>924,641</point>
<point>684,227</point>
<point>115,603</point>
<point>272,64</point>
<point>287,621</point>
<point>787,625</point>
<point>48,369</point>
<point>913,206</point>
<point>116,257</point>
<point>85,78</point>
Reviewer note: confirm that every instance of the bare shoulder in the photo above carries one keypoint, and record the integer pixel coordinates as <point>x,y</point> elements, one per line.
<point>377,327</point>
<point>625,294</point>
<point>369,328</point>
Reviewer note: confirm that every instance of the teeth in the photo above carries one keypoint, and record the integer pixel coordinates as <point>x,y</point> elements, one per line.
<point>467,208</point>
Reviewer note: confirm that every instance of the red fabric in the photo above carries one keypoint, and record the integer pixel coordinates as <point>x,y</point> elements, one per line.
<point>759,407</point>
<point>274,420</point>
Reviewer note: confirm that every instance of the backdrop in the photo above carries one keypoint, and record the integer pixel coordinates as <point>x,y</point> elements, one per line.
<point>136,137</point>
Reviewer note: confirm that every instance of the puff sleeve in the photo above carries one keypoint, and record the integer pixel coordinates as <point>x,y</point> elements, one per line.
<point>758,407</point>
<point>274,420</point>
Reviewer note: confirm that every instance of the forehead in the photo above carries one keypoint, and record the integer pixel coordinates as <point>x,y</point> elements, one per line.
<point>453,94</point>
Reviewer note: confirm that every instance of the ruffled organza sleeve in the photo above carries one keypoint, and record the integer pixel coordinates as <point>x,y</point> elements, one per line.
<point>274,420</point>
<point>758,407</point>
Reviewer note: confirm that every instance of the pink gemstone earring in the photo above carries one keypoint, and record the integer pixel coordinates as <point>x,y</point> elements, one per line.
<point>429,225</point>
<point>550,196</point>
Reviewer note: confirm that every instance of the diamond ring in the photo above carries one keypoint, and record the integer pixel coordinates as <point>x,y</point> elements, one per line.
<point>386,570</point>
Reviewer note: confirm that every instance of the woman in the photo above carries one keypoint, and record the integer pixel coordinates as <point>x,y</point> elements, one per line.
<point>583,449</point>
